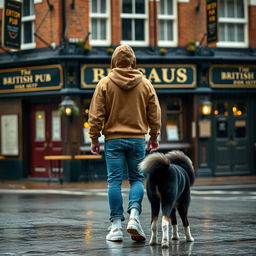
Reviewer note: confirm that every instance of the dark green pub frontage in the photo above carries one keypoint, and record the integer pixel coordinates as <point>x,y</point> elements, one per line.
<point>207,100</point>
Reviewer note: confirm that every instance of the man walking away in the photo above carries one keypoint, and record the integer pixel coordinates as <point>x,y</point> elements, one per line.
<point>124,106</point>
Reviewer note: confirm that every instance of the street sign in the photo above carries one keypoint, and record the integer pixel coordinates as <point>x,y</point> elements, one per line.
<point>212,21</point>
<point>11,28</point>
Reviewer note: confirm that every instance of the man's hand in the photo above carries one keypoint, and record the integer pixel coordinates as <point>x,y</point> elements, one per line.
<point>95,149</point>
<point>152,146</point>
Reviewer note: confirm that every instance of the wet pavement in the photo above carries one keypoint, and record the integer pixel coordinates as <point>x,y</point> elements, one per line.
<point>74,222</point>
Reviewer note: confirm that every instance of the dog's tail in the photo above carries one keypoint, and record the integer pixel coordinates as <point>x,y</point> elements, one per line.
<point>153,162</point>
<point>179,158</point>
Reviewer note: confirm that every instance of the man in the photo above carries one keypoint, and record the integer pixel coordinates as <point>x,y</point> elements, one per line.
<point>124,106</point>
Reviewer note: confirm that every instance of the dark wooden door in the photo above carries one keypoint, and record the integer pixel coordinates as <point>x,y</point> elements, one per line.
<point>45,137</point>
<point>231,133</point>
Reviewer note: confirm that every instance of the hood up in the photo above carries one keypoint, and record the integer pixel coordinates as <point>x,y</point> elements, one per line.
<point>123,63</point>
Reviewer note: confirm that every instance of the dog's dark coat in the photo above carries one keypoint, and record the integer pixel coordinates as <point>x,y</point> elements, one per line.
<point>169,179</point>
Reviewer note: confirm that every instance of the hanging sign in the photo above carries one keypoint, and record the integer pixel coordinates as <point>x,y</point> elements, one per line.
<point>212,21</point>
<point>161,76</point>
<point>11,26</point>
<point>232,76</point>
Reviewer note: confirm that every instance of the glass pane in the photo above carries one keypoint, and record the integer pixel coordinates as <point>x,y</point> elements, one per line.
<point>221,109</point>
<point>56,125</point>
<point>94,4</point>
<point>27,32</point>
<point>161,7</point>
<point>26,7</point>
<point>127,29</point>
<point>169,30</point>
<point>94,29</point>
<point>222,129</point>
<point>240,128</point>
<point>140,6</point>
<point>222,8</point>
<point>231,32</point>
<point>127,6</point>
<point>139,30</point>
<point>103,6</point>
<point>240,33</point>
<point>240,9</point>
<point>40,125</point>
<point>173,127</point>
<point>103,32</point>
<point>169,7</point>
<point>238,109</point>
<point>222,32</point>
<point>161,30</point>
<point>231,8</point>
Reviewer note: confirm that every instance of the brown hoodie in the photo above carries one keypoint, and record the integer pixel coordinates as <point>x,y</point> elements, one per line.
<point>124,104</point>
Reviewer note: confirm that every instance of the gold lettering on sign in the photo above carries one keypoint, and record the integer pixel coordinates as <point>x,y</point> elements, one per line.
<point>165,75</point>
<point>154,76</point>
<point>182,75</point>
<point>237,76</point>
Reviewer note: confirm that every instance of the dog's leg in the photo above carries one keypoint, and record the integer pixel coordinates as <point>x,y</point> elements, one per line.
<point>153,239</point>
<point>183,211</point>
<point>165,231</point>
<point>175,233</point>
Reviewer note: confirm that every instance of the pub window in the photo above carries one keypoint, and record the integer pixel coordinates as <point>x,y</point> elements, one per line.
<point>167,16</point>
<point>174,127</point>
<point>100,22</point>
<point>233,19</point>
<point>134,22</point>
<point>28,25</point>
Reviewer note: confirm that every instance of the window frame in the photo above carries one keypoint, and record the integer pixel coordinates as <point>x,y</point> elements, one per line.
<point>134,16</point>
<point>244,21</point>
<point>174,19</point>
<point>106,16</point>
<point>31,18</point>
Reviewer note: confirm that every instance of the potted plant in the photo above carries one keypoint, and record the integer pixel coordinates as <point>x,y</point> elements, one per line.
<point>87,49</point>
<point>191,47</point>
<point>109,51</point>
<point>163,51</point>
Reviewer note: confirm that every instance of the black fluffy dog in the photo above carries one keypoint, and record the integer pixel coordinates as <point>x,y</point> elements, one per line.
<point>169,179</point>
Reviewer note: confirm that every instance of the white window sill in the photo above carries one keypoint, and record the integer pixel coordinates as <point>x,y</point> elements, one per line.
<point>99,43</point>
<point>28,46</point>
<point>167,44</point>
<point>232,45</point>
<point>135,43</point>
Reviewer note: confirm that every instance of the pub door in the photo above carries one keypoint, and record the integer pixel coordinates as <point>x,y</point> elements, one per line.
<point>45,137</point>
<point>232,137</point>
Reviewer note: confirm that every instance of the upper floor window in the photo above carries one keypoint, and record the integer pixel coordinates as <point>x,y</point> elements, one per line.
<point>100,22</point>
<point>167,28</point>
<point>134,22</point>
<point>28,25</point>
<point>233,21</point>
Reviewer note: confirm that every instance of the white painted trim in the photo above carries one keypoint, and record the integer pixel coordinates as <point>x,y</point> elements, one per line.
<point>108,18</point>
<point>28,46</point>
<point>38,1</point>
<point>183,1</point>
<point>146,26</point>
<point>174,18</point>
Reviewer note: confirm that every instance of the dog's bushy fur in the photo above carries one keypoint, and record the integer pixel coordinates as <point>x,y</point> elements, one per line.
<point>168,185</point>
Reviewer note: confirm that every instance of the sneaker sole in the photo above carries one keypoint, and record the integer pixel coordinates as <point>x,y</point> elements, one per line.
<point>115,239</point>
<point>135,235</point>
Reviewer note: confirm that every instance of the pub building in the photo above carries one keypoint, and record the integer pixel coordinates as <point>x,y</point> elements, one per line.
<point>207,96</point>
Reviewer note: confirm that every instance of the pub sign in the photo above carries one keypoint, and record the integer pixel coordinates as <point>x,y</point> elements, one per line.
<point>25,79</point>
<point>212,21</point>
<point>11,26</point>
<point>232,76</point>
<point>161,76</point>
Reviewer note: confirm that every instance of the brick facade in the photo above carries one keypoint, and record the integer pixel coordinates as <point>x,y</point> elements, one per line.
<point>191,22</point>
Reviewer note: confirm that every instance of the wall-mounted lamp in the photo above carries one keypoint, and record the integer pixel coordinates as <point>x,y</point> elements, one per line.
<point>206,107</point>
<point>68,107</point>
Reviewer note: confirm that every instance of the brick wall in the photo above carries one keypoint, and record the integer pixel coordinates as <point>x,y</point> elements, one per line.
<point>252,26</point>
<point>116,24</point>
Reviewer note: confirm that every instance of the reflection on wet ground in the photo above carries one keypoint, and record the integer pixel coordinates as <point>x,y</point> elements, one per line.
<point>47,224</point>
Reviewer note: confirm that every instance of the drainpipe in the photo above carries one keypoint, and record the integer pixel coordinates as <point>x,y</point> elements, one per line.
<point>63,39</point>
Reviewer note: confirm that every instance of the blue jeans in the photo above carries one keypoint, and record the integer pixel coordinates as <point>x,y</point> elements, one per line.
<point>122,155</point>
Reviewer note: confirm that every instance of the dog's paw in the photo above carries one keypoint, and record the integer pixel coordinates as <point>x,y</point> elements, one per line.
<point>152,242</point>
<point>165,243</point>
<point>190,239</point>
<point>175,236</point>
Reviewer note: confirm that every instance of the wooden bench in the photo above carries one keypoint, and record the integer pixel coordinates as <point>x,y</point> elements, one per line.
<point>57,160</point>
